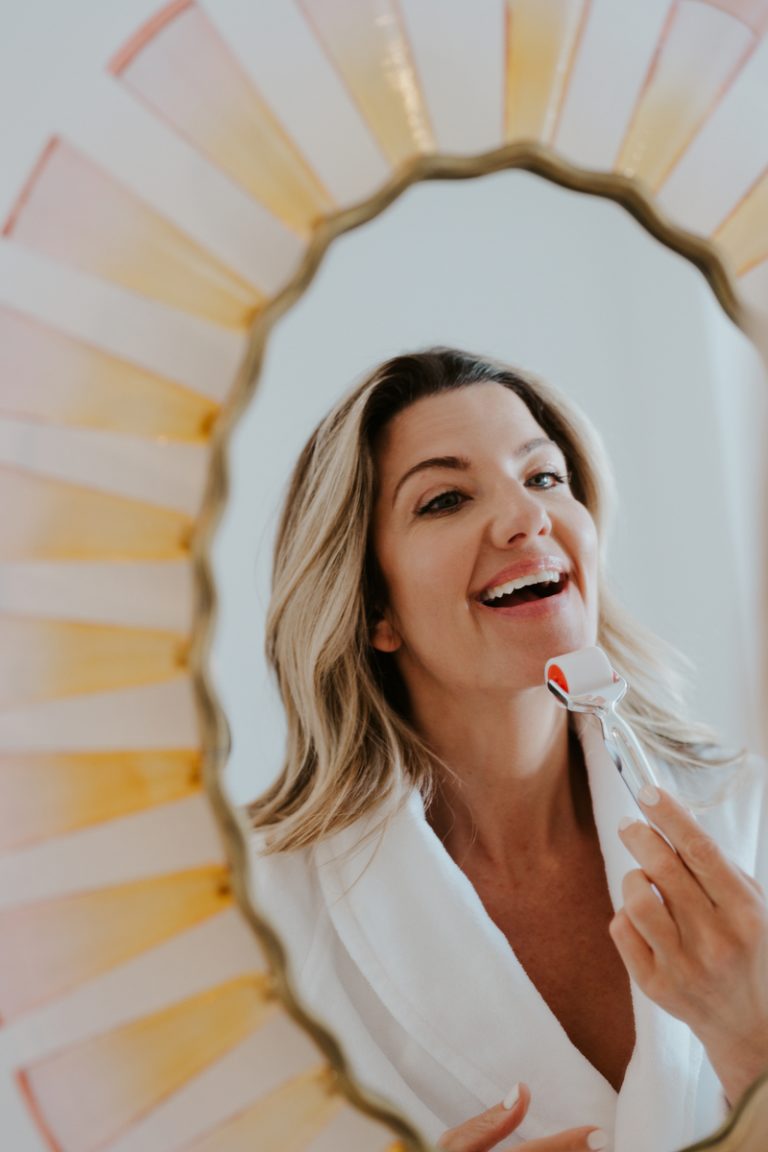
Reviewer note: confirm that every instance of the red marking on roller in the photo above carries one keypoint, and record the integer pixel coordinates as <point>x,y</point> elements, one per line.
<point>557,676</point>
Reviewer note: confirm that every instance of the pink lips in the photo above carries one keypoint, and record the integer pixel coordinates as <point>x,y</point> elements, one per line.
<point>524,567</point>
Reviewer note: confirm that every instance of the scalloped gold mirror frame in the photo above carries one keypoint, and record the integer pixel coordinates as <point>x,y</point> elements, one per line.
<point>747,1128</point>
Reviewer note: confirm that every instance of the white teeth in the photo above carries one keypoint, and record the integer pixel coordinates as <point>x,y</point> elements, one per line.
<point>547,576</point>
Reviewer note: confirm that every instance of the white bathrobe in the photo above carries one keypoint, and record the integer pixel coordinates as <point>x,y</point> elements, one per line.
<point>390,945</point>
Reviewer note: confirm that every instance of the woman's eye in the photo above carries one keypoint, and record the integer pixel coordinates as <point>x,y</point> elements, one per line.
<point>546,479</point>
<point>444,502</point>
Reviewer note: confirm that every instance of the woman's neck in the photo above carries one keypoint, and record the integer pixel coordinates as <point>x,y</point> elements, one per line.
<point>512,786</point>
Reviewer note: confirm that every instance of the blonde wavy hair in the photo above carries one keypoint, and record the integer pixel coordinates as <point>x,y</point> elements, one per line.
<point>350,744</point>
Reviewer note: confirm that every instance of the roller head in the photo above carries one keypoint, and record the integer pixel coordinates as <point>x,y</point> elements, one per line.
<point>582,677</point>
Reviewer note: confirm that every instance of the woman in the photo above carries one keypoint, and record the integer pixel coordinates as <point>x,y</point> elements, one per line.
<point>441,852</point>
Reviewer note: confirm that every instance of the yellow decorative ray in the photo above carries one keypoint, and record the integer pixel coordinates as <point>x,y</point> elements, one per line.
<point>744,233</point>
<point>53,377</point>
<point>52,946</point>
<point>179,65</point>
<point>48,659</point>
<point>542,37</point>
<point>368,45</point>
<point>705,45</point>
<point>86,1095</point>
<point>47,519</point>
<point>286,1120</point>
<point>50,794</point>
<point>73,211</point>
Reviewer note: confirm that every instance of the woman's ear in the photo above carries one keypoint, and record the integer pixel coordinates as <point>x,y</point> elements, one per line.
<point>384,638</point>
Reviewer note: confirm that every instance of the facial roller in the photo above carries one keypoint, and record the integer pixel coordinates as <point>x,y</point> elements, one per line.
<point>584,681</point>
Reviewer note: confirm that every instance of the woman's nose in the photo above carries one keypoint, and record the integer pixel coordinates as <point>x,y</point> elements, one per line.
<point>520,514</point>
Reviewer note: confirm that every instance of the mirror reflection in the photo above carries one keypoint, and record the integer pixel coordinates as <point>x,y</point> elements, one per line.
<point>442,852</point>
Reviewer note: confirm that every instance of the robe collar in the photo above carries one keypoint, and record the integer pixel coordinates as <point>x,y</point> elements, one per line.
<point>416,928</point>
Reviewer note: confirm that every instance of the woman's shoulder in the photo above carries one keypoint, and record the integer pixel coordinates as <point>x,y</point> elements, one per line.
<point>297,890</point>
<point>277,875</point>
<point>284,888</point>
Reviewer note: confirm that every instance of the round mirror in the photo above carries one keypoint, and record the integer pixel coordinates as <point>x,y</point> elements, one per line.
<point>573,289</point>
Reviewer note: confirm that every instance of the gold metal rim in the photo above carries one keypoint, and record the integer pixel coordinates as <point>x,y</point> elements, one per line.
<point>738,1127</point>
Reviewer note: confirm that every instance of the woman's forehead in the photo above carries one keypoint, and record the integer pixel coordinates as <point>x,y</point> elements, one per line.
<point>456,422</point>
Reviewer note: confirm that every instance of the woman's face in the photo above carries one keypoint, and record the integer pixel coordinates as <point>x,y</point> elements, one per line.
<point>473,499</point>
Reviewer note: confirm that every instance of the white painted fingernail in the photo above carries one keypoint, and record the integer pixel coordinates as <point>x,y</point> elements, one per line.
<point>649,795</point>
<point>625,822</point>
<point>511,1097</point>
<point>597,1140</point>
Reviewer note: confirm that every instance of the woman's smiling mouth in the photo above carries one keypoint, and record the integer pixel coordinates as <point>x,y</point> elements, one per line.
<point>534,584</point>
<point>542,591</point>
<point>532,580</point>
<point>539,583</point>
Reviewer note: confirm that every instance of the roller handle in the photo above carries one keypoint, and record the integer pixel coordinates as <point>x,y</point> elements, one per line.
<point>627,754</point>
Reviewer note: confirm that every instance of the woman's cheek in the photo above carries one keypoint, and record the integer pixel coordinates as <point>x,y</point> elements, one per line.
<point>586,532</point>
<point>436,570</point>
<point>591,555</point>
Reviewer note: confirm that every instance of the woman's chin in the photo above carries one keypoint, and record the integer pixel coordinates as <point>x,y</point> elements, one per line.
<point>530,659</point>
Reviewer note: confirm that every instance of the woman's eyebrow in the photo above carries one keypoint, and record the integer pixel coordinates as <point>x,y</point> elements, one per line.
<point>462,464</point>
<point>458,463</point>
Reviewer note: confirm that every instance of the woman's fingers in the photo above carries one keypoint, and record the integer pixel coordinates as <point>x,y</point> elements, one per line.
<point>484,1132</point>
<point>649,915</point>
<point>720,879</point>
<point>635,952</point>
<point>685,901</point>
<point>573,1140</point>
<point>702,954</point>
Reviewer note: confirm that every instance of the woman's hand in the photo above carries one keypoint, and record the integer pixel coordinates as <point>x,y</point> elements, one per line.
<point>702,954</point>
<point>484,1132</point>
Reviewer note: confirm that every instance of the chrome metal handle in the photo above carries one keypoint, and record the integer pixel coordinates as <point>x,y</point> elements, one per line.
<point>627,754</point>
